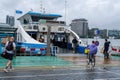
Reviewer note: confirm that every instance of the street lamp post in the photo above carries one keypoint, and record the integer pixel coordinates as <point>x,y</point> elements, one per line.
<point>48,40</point>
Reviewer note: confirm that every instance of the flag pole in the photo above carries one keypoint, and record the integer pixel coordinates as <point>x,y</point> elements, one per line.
<point>15,19</point>
<point>65,11</point>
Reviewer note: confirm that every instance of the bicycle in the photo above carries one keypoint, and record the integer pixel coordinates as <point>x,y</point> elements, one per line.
<point>91,61</point>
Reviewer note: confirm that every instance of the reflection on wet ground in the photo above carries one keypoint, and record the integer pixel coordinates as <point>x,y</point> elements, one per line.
<point>111,73</point>
<point>62,60</point>
<point>62,67</point>
<point>100,61</point>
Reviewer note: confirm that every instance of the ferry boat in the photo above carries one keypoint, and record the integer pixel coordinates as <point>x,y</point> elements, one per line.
<point>33,28</point>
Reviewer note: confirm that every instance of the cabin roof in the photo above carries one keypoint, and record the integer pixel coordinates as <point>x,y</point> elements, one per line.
<point>38,14</point>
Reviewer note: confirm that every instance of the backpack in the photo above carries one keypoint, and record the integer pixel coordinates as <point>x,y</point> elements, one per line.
<point>9,46</point>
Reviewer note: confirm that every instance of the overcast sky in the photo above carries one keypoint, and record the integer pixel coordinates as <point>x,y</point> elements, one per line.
<point>99,13</point>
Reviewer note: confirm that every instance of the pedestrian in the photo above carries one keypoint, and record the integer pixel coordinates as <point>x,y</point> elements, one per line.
<point>107,53</point>
<point>75,43</point>
<point>106,49</point>
<point>10,48</point>
<point>40,40</point>
<point>63,43</point>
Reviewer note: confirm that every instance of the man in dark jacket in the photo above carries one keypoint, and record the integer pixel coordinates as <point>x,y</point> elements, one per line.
<point>106,48</point>
<point>75,43</point>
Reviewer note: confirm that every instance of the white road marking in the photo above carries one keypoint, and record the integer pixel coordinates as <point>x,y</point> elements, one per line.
<point>65,74</point>
<point>50,75</point>
<point>110,71</point>
<point>108,79</point>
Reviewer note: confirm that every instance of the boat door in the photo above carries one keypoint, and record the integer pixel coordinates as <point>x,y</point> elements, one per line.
<point>33,35</point>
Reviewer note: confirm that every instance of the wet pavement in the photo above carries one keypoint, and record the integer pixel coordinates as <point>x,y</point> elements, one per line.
<point>80,60</point>
<point>62,67</point>
<point>110,73</point>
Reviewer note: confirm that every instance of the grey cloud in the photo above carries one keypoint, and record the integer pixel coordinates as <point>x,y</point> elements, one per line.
<point>10,4</point>
<point>100,13</point>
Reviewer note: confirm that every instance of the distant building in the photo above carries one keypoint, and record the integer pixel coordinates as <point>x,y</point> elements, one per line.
<point>10,20</point>
<point>114,33</point>
<point>102,33</point>
<point>4,25</point>
<point>92,32</point>
<point>80,26</point>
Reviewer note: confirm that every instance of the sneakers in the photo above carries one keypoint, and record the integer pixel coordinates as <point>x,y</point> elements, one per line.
<point>11,69</point>
<point>5,70</point>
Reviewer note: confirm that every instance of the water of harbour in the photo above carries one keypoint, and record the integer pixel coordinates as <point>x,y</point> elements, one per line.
<point>114,42</point>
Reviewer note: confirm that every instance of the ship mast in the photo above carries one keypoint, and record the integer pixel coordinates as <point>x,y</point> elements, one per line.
<point>42,9</point>
<point>65,10</point>
<point>41,6</point>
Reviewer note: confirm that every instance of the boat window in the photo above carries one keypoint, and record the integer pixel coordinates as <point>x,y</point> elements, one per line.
<point>25,21</point>
<point>43,29</point>
<point>61,29</point>
<point>35,27</point>
<point>37,18</point>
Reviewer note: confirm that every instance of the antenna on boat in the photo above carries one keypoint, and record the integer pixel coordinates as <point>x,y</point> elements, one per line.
<point>31,10</point>
<point>41,6</point>
<point>65,11</point>
<point>42,9</point>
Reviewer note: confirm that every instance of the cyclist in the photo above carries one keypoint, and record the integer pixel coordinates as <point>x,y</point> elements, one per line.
<point>93,52</point>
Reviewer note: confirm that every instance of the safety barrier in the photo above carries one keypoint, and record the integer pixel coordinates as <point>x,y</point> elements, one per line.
<point>116,49</point>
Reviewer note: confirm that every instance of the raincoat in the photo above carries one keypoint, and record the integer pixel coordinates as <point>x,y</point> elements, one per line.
<point>93,49</point>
